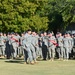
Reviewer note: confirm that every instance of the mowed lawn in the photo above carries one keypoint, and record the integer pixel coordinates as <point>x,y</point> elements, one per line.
<point>17,67</point>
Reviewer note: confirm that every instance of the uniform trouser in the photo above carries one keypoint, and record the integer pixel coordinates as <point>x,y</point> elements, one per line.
<point>29,54</point>
<point>15,52</point>
<point>22,50</point>
<point>60,52</point>
<point>70,52</point>
<point>37,51</point>
<point>44,51</point>
<point>74,52</point>
<point>51,52</point>
<point>40,51</point>
<point>66,52</point>
<point>2,50</point>
<point>32,48</point>
<point>25,55</point>
<point>18,50</point>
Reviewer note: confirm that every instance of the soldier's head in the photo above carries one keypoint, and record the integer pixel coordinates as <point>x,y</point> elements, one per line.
<point>59,34</point>
<point>8,34</point>
<point>66,34</point>
<point>45,33</point>
<point>50,34</point>
<point>41,33</point>
<point>16,34</point>
<point>34,33</point>
<point>1,33</point>
<point>22,34</point>
<point>4,34</point>
<point>29,31</point>
<point>12,34</point>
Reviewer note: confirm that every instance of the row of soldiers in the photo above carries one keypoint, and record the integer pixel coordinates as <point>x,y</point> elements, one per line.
<point>31,45</point>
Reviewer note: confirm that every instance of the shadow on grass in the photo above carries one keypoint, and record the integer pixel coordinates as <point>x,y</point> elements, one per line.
<point>2,59</point>
<point>15,61</point>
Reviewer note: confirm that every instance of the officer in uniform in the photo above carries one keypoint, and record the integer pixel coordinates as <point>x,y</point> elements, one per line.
<point>71,43</point>
<point>21,43</point>
<point>8,50</point>
<point>27,43</point>
<point>40,40</point>
<point>66,45</point>
<point>60,45</point>
<point>17,36</point>
<point>36,44</point>
<point>44,46</point>
<point>13,41</point>
<point>51,45</point>
<point>2,50</point>
<point>74,46</point>
<point>5,38</point>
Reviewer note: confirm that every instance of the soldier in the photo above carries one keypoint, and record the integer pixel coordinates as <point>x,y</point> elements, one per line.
<point>5,39</point>
<point>51,46</point>
<point>71,43</point>
<point>8,47</point>
<point>40,44</point>
<point>66,45</point>
<point>36,44</point>
<point>45,46</point>
<point>27,43</point>
<point>60,45</point>
<point>21,43</point>
<point>74,45</point>
<point>2,50</point>
<point>17,36</point>
<point>13,41</point>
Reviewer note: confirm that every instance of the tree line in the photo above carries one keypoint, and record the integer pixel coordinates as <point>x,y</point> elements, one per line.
<point>21,15</point>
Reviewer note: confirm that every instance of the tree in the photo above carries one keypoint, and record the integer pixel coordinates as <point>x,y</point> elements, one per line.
<point>60,13</point>
<point>21,15</point>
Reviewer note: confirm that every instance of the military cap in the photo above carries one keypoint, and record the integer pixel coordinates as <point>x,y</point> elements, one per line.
<point>12,33</point>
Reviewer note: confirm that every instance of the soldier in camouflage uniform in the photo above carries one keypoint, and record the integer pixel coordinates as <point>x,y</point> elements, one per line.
<point>45,46</point>
<point>51,46</point>
<point>28,44</point>
<point>13,42</point>
<point>40,44</point>
<point>60,45</point>
<point>66,45</point>
<point>2,50</point>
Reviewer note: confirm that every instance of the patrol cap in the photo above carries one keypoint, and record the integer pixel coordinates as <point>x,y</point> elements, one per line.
<point>49,32</point>
<point>58,32</point>
<point>12,33</point>
<point>8,33</point>
<point>66,32</point>
<point>41,32</point>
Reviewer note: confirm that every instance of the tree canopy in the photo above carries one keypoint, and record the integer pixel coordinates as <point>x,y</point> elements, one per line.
<point>21,15</point>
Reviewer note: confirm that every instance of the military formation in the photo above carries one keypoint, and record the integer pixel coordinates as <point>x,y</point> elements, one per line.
<point>32,46</point>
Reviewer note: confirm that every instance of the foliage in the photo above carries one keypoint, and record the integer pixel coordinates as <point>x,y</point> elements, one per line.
<point>21,15</point>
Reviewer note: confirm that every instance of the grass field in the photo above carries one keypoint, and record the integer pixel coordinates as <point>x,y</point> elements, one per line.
<point>17,67</point>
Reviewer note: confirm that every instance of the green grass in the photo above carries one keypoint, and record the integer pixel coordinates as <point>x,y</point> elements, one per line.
<point>17,67</point>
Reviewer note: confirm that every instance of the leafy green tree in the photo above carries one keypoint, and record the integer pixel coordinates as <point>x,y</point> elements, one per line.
<point>60,13</point>
<point>21,15</point>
